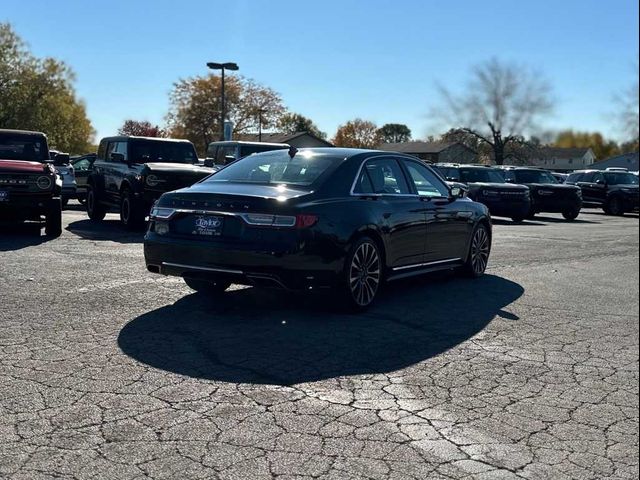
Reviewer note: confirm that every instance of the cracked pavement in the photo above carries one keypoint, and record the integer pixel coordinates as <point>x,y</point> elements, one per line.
<point>107,371</point>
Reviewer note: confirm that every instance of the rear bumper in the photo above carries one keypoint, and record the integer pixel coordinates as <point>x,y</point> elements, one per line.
<point>295,269</point>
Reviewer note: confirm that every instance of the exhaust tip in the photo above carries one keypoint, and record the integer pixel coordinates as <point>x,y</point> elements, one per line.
<point>153,268</point>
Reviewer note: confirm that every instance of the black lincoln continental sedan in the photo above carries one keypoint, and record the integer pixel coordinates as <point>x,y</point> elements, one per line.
<point>315,218</point>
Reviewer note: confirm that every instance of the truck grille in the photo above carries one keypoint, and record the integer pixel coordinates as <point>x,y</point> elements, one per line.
<point>19,183</point>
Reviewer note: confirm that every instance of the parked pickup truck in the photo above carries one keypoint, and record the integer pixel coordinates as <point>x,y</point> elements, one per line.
<point>130,173</point>
<point>29,186</point>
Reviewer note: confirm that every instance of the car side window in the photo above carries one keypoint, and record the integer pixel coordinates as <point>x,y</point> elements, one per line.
<point>426,182</point>
<point>82,165</point>
<point>574,178</point>
<point>386,177</point>
<point>121,147</point>
<point>363,185</point>
<point>111,148</point>
<point>598,177</point>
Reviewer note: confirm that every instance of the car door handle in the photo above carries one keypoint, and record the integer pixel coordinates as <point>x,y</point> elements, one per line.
<point>464,215</point>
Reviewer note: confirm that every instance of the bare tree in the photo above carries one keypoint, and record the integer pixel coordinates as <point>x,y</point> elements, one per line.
<point>628,111</point>
<point>502,103</point>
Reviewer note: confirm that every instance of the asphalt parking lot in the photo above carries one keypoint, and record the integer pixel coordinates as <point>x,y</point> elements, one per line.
<point>107,371</point>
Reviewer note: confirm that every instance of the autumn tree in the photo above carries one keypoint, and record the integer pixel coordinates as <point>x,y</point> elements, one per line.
<point>38,94</point>
<point>394,133</point>
<point>501,104</point>
<point>295,122</point>
<point>601,147</point>
<point>195,107</point>
<point>357,133</point>
<point>141,129</point>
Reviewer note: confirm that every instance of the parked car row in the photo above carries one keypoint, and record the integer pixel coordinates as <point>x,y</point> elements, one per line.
<point>296,219</point>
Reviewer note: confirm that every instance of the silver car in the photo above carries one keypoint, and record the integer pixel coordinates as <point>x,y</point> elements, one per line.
<point>66,172</point>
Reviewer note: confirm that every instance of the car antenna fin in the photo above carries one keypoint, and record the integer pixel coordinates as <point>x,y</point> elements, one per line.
<point>292,152</point>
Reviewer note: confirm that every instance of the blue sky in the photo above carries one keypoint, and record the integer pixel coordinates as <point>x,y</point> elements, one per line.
<point>335,60</point>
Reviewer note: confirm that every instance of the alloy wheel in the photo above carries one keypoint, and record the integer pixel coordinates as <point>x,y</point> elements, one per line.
<point>364,274</point>
<point>480,251</point>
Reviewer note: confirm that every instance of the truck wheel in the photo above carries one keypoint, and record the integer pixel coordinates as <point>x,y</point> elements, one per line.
<point>95,209</point>
<point>517,219</point>
<point>204,286</point>
<point>614,207</point>
<point>132,215</point>
<point>571,214</point>
<point>53,218</point>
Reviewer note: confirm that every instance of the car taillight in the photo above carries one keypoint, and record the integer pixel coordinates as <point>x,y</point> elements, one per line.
<point>306,220</point>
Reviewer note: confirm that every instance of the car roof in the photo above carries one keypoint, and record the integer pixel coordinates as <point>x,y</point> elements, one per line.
<point>25,133</point>
<point>464,165</point>
<point>241,142</point>
<point>135,137</point>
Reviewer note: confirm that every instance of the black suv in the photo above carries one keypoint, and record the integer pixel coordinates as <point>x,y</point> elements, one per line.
<point>130,173</point>
<point>29,186</point>
<point>223,153</point>
<point>547,195</point>
<point>488,186</point>
<point>616,192</point>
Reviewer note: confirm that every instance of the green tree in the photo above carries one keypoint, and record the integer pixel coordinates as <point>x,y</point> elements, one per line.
<point>357,133</point>
<point>141,129</point>
<point>294,122</point>
<point>38,94</point>
<point>601,147</point>
<point>195,108</point>
<point>501,104</point>
<point>395,133</point>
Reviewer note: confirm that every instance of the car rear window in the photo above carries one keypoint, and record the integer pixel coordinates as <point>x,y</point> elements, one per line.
<point>480,175</point>
<point>277,167</point>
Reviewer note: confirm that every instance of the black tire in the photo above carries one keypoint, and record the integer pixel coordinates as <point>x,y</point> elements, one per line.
<point>614,207</point>
<point>207,287</point>
<point>362,275</point>
<point>53,218</point>
<point>95,209</point>
<point>531,215</point>
<point>132,215</point>
<point>479,251</point>
<point>517,219</point>
<point>571,215</point>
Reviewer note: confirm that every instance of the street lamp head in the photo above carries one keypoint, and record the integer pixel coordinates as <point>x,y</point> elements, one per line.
<point>220,66</point>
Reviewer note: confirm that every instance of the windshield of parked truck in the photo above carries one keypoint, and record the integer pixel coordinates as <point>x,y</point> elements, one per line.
<point>22,147</point>
<point>147,151</point>
<point>480,175</point>
<point>534,176</point>
<point>621,178</point>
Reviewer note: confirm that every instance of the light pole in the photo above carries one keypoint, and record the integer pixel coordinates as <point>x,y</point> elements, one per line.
<point>260,112</point>
<point>222,66</point>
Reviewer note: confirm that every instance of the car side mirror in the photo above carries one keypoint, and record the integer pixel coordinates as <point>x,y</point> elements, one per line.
<point>229,159</point>
<point>209,162</point>
<point>117,157</point>
<point>61,159</point>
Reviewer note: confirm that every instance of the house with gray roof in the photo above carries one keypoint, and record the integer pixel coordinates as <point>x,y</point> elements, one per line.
<point>435,152</point>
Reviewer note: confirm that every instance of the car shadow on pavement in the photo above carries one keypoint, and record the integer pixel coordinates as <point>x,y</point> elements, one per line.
<point>106,230</point>
<point>266,337</point>
<point>21,235</point>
